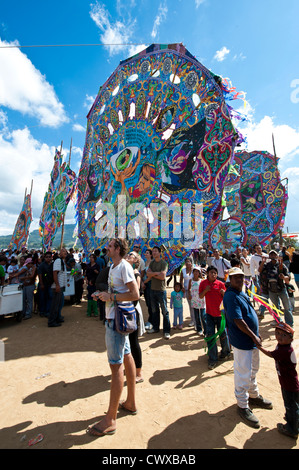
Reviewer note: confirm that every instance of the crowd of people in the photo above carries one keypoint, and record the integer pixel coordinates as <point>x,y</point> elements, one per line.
<point>217,289</point>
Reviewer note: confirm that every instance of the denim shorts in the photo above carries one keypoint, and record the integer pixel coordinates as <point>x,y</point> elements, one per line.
<point>117,345</point>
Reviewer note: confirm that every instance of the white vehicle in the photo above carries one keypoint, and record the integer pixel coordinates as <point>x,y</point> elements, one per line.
<point>11,300</point>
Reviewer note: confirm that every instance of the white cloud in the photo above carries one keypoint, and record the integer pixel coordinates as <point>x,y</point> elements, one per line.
<point>135,49</point>
<point>161,16</point>
<point>259,137</point>
<point>292,174</point>
<point>23,88</point>
<point>23,159</point>
<point>199,2</point>
<point>286,141</point>
<point>78,128</point>
<point>114,35</point>
<point>221,54</point>
<point>89,100</point>
<point>239,56</point>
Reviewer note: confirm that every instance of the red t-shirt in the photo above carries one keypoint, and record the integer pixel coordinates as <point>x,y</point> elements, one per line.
<point>213,297</point>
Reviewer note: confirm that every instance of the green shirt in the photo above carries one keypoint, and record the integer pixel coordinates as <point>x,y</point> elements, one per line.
<point>2,272</point>
<point>156,267</point>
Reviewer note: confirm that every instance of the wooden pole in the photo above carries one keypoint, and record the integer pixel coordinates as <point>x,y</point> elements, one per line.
<point>274,148</point>
<point>62,233</point>
<point>70,151</point>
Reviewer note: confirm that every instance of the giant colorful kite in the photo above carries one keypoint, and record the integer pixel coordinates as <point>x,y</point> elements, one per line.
<point>255,201</point>
<point>159,136</point>
<point>61,188</point>
<point>21,230</point>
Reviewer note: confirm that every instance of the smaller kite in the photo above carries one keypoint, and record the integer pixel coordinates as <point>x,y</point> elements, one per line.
<point>21,230</point>
<point>61,189</point>
<point>254,202</point>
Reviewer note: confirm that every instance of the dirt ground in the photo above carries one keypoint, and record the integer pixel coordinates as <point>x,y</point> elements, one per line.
<point>56,381</point>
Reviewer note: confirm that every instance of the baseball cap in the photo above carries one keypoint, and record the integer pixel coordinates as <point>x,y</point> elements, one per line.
<point>285,327</point>
<point>234,271</point>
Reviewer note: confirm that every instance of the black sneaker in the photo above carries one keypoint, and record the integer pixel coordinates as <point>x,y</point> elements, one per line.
<point>212,365</point>
<point>223,356</point>
<point>261,402</point>
<point>152,331</point>
<point>247,415</point>
<point>283,430</point>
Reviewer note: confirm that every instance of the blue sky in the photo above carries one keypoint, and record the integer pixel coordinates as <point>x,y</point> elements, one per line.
<point>46,92</point>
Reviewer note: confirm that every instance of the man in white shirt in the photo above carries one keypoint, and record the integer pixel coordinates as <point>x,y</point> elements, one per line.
<point>245,261</point>
<point>122,287</point>
<point>58,288</point>
<point>221,264</point>
<point>255,261</point>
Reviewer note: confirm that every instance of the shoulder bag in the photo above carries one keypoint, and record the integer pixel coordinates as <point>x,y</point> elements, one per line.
<point>125,321</point>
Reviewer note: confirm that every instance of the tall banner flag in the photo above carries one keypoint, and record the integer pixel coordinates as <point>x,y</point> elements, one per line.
<point>61,188</point>
<point>21,230</point>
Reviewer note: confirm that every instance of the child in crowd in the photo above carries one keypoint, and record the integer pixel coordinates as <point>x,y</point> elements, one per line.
<point>13,268</point>
<point>213,291</point>
<point>285,359</point>
<point>290,291</point>
<point>198,304</point>
<point>176,302</point>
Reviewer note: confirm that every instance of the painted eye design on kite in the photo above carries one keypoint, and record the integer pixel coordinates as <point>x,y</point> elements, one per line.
<point>123,160</point>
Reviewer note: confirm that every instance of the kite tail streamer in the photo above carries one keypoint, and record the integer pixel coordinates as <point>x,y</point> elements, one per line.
<point>211,340</point>
<point>275,312</point>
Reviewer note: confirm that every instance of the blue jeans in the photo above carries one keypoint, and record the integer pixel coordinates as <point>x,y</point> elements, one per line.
<point>45,299</point>
<point>28,300</point>
<point>200,320</point>
<point>177,316</point>
<point>159,300</point>
<point>56,306</point>
<point>212,324</point>
<point>147,296</point>
<point>117,344</point>
<point>292,303</point>
<point>61,306</point>
<point>283,296</point>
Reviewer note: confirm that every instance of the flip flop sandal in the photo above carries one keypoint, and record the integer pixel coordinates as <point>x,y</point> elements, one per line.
<point>95,432</point>
<point>122,407</point>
